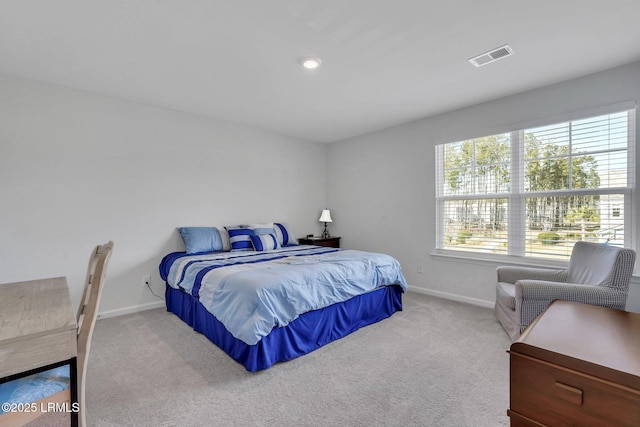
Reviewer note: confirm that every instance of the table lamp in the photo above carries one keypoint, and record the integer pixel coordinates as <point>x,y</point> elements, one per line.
<point>325,217</point>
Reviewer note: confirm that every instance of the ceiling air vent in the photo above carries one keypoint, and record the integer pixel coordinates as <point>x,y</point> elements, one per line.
<point>494,55</point>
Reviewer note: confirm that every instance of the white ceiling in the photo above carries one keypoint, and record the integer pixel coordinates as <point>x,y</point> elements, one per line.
<point>384,62</point>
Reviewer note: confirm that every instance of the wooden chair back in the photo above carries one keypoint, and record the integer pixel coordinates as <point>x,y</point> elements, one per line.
<point>87,315</point>
<point>86,320</point>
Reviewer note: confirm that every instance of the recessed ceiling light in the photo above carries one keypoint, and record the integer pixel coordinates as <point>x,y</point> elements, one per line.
<point>310,63</point>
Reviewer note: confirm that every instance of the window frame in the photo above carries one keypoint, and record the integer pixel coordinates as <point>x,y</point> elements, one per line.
<point>516,196</point>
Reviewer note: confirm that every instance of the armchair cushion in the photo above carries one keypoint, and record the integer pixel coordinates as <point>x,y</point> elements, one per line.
<point>592,264</point>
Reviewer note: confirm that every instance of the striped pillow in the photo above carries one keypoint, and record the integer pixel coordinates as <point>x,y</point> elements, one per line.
<point>265,228</point>
<point>284,235</point>
<point>240,239</point>
<point>264,242</point>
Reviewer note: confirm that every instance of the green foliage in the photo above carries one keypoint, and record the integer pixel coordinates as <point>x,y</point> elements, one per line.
<point>580,236</point>
<point>586,213</point>
<point>548,167</point>
<point>480,164</point>
<point>549,238</point>
<point>463,236</point>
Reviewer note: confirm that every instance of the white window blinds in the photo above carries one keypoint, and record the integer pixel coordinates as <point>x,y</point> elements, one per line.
<point>535,192</point>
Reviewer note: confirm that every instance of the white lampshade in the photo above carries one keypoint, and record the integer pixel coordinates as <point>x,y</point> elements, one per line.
<point>325,216</point>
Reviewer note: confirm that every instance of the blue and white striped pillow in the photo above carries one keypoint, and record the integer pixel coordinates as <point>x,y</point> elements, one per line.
<point>264,242</point>
<point>240,239</point>
<point>284,235</point>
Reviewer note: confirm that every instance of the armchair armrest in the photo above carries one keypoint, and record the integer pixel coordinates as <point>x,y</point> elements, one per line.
<point>534,296</point>
<point>542,290</point>
<point>513,274</point>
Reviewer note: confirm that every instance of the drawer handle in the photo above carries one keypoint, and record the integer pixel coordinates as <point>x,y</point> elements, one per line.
<point>569,393</point>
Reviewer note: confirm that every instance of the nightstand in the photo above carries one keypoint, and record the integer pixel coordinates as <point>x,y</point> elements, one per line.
<point>331,242</point>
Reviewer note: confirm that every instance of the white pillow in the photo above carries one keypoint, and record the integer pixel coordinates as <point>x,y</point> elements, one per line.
<point>224,236</point>
<point>262,228</point>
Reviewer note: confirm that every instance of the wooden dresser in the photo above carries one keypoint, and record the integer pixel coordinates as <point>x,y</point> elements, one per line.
<point>577,365</point>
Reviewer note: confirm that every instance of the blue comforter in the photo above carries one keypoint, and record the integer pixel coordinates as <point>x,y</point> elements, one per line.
<point>34,387</point>
<point>252,293</point>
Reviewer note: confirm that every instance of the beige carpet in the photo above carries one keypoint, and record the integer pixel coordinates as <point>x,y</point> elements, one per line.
<point>437,363</point>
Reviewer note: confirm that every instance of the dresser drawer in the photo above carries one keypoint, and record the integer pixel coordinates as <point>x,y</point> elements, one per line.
<point>557,396</point>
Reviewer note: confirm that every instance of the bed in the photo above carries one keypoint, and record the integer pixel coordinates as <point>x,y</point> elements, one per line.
<point>283,301</point>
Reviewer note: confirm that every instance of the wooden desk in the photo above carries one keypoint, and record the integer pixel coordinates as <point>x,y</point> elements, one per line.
<point>38,330</point>
<point>577,364</point>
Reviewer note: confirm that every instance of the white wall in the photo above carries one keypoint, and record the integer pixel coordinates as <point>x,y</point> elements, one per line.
<point>381,185</point>
<point>78,169</point>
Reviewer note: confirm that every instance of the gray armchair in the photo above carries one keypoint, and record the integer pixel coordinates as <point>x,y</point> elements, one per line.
<point>597,274</point>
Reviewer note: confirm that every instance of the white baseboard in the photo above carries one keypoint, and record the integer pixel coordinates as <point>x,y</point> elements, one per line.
<point>129,310</point>
<point>454,297</point>
<point>431,292</point>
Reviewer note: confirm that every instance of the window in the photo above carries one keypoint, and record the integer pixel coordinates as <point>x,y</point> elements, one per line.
<point>535,192</point>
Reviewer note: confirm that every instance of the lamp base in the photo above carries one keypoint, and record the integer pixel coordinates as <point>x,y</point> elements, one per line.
<point>325,232</point>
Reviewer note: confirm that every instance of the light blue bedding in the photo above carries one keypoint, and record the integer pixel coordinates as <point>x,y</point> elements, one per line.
<point>183,272</point>
<point>257,292</point>
<point>35,387</point>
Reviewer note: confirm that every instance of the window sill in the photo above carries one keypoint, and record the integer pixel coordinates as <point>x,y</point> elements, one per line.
<point>498,260</point>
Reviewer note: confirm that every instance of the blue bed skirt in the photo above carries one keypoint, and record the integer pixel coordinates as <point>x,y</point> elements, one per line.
<point>308,332</point>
